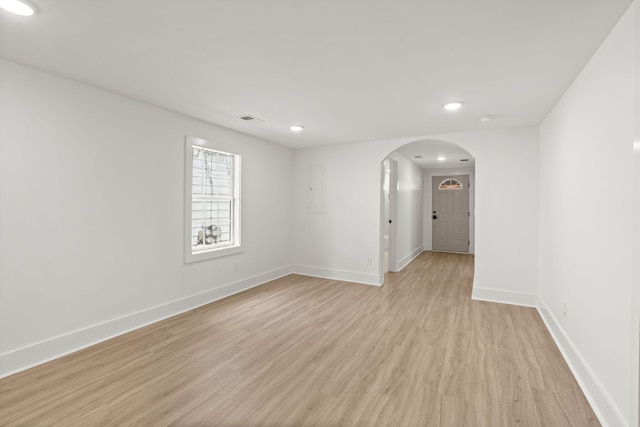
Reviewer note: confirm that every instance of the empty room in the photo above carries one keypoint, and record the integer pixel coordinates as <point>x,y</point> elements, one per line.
<point>320,213</point>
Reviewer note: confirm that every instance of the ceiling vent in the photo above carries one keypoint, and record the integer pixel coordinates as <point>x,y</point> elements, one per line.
<point>251,119</point>
<point>464,160</point>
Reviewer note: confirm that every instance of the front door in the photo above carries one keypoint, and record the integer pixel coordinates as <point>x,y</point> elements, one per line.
<point>450,213</point>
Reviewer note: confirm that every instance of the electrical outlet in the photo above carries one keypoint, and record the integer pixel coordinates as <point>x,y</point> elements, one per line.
<point>564,309</point>
<point>369,261</point>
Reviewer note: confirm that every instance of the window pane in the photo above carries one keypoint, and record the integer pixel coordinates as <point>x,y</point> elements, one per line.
<point>197,156</point>
<point>450,184</point>
<point>211,221</point>
<point>213,192</point>
<point>217,171</point>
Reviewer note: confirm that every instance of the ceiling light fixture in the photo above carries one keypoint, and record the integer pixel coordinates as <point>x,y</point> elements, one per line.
<point>452,106</point>
<point>486,118</point>
<point>442,158</point>
<point>17,7</point>
<point>296,128</point>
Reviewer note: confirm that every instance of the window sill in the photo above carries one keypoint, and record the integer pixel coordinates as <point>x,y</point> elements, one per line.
<point>211,254</point>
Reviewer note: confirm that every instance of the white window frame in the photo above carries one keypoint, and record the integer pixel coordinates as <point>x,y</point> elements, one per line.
<point>235,247</point>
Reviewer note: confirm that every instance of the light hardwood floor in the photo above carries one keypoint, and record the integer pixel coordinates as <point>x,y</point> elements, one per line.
<point>302,351</point>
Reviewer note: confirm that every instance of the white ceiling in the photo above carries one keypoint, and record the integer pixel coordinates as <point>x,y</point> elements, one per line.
<point>348,70</point>
<point>431,149</point>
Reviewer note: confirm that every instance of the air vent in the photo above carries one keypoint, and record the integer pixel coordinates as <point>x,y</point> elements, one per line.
<point>417,157</point>
<point>464,160</point>
<point>251,119</point>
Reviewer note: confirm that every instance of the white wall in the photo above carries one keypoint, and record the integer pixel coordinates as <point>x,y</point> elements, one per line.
<point>409,214</point>
<point>427,176</point>
<point>506,209</point>
<point>337,244</point>
<point>586,212</point>
<point>634,378</point>
<point>91,215</point>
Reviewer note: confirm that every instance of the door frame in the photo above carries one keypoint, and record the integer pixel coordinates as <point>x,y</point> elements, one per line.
<point>393,215</point>
<point>393,210</point>
<point>427,177</point>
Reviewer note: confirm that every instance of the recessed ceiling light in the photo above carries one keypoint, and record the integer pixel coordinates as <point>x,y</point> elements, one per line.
<point>296,128</point>
<point>442,158</point>
<point>452,106</point>
<point>486,118</point>
<point>17,7</point>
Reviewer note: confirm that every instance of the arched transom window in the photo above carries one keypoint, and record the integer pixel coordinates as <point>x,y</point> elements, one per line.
<point>450,184</point>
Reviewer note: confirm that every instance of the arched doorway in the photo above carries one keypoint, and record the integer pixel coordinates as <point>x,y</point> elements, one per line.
<point>407,199</point>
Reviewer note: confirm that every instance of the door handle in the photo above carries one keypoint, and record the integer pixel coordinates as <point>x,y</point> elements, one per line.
<point>435,217</point>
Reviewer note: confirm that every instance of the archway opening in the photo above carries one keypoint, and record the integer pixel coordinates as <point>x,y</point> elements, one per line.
<point>417,213</point>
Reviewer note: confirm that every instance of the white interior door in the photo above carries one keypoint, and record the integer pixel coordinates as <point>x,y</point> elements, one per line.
<point>450,213</point>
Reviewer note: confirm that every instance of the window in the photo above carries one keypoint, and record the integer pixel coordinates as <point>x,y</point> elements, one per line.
<point>212,202</point>
<point>450,184</point>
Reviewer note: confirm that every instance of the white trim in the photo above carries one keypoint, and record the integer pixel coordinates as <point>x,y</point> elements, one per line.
<point>384,244</point>
<point>44,351</point>
<point>603,405</point>
<point>505,297</point>
<point>342,275</point>
<point>393,214</point>
<point>210,253</point>
<point>410,257</point>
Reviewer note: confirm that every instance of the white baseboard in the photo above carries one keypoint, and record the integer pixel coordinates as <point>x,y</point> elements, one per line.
<point>35,354</point>
<point>603,405</point>
<point>345,276</point>
<point>505,297</point>
<point>410,257</point>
